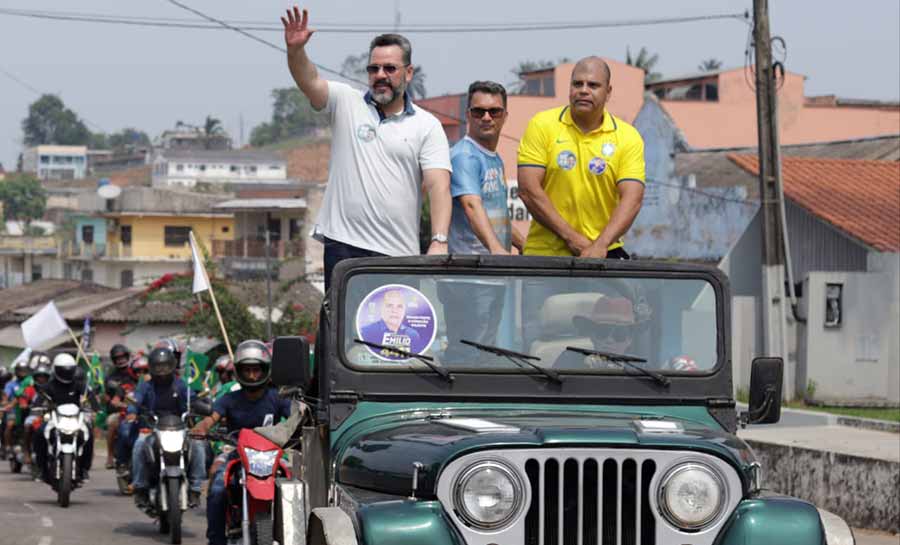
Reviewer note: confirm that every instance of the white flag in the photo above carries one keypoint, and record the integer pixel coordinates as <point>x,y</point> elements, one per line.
<point>200,281</point>
<point>45,325</point>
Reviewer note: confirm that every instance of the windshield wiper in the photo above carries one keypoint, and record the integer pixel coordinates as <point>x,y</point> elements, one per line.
<point>516,357</point>
<point>427,360</point>
<point>624,360</point>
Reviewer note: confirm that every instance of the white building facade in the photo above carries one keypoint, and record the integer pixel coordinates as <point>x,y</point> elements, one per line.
<point>188,168</point>
<point>56,162</point>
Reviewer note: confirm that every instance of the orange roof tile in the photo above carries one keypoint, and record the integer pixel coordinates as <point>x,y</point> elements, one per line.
<point>861,198</point>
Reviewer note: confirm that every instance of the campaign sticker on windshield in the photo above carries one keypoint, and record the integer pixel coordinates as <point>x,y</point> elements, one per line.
<point>396,316</point>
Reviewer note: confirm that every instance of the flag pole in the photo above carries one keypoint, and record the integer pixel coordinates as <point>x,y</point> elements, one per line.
<point>212,295</point>
<point>78,346</point>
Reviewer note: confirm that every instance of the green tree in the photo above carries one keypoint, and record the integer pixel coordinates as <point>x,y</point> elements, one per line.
<point>212,128</point>
<point>24,199</point>
<point>292,116</point>
<point>128,138</point>
<point>709,65</point>
<point>50,122</point>
<point>645,61</point>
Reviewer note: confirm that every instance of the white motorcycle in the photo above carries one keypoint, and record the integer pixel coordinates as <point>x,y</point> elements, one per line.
<point>171,455</point>
<point>66,433</point>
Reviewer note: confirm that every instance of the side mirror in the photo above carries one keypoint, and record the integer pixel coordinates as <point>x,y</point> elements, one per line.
<point>766,376</point>
<point>290,362</point>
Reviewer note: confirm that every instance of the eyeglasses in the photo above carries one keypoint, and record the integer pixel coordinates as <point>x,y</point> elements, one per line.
<point>478,113</point>
<point>389,69</point>
<point>618,333</point>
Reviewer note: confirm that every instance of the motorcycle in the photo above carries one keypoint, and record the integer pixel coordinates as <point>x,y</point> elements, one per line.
<point>250,487</point>
<point>66,433</point>
<point>170,452</point>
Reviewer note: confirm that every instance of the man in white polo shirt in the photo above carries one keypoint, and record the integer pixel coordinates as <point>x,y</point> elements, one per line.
<point>384,150</point>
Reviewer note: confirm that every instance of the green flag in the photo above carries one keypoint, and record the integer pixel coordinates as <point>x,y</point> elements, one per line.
<point>196,370</point>
<point>95,372</point>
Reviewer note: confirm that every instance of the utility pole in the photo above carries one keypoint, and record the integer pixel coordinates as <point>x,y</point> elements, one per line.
<point>268,281</point>
<point>774,305</point>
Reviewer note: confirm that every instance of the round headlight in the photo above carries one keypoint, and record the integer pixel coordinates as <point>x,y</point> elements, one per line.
<point>691,496</point>
<point>488,495</point>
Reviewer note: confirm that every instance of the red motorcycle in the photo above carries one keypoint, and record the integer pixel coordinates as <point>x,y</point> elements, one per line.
<point>250,488</point>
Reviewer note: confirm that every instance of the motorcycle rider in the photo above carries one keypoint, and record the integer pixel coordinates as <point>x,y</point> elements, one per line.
<point>127,432</point>
<point>40,376</point>
<point>66,385</point>
<point>6,376</point>
<point>21,372</point>
<point>255,404</point>
<point>224,369</point>
<point>120,380</point>
<point>162,395</point>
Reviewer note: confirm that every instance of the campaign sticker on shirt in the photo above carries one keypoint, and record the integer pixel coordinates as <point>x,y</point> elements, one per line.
<point>398,316</point>
<point>597,165</point>
<point>607,149</point>
<point>365,132</point>
<point>566,160</point>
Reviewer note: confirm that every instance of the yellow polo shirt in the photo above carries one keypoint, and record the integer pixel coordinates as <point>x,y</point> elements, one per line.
<point>582,172</point>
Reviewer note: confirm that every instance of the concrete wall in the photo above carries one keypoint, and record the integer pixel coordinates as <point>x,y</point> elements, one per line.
<point>856,362</point>
<point>109,272</point>
<point>148,235</point>
<point>863,491</point>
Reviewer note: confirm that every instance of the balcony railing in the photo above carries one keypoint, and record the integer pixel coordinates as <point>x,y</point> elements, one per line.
<point>27,245</point>
<point>256,249</point>
<point>82,250</point>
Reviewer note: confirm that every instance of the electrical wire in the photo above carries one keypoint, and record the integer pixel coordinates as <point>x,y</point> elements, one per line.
<point>355,28</point>
<point>38,92</point>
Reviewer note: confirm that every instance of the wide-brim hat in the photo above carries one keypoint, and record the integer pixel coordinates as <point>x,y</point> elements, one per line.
<point>606,311</point>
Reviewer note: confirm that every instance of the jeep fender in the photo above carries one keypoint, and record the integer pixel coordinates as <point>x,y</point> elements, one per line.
<point>773,520</point>
<point>331,526</point>
<point>406,522</point>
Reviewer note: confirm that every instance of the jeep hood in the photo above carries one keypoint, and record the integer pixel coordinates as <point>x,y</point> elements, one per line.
<point>379,454</point>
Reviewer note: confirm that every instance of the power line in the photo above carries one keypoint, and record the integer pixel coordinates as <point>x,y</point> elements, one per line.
<point>357,28</point>
<point>38,92</point>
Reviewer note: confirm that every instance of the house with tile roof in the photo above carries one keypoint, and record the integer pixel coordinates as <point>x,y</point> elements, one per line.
<point>843,225</point>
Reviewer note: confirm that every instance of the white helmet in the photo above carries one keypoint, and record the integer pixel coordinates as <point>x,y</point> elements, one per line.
<point>64,368</point>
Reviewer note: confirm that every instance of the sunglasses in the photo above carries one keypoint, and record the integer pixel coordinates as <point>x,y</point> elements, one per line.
<point>389,69</point>
<point>618,333</point>
<point>478,113</point>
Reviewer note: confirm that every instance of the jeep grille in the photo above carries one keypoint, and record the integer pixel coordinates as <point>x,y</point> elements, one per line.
<point>589,501</point>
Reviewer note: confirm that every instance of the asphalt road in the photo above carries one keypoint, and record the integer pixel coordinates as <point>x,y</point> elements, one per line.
<point>97,514</point>
<point>29,515</point>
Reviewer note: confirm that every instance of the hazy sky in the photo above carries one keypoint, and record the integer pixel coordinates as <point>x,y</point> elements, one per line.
<point>118,76</point>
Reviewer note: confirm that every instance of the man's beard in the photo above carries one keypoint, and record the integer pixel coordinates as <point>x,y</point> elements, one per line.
<point>384,98</point>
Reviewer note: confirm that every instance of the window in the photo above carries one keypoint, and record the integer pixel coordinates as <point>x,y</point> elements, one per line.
<point>87,275</point>
<point>87,234</point>
<point>235,168</point>
<point>67,271</point>
<point>126,278</point>
<point>37,272</point>
<point>225,229</point>
<point>202,168</point>
<point>125,234</point>
<point>176,235</point>
<point>179,167</point>
<point>250,168</point>
<point>45,159</point>
<point>274,167</point>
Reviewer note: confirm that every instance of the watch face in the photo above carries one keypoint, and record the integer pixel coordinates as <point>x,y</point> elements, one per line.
<point>439,238</point>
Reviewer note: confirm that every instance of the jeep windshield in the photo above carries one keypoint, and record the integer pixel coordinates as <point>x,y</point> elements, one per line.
<point>668,321</point>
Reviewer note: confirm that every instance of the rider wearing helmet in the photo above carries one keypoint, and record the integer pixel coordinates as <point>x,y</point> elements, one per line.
<point>255,404</point>
<point>163,394</point>
<point>119,382</point>
<point>40,376</point>
<point>64,387</point>
<point>21,378</point>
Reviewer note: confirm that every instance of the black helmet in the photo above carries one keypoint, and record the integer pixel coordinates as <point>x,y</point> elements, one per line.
<point>162,363</point>
<point>5,374</point>
<point>252,353</point>
<point>119,351</point>
<point>21,369</point>
<point>43,370</point>
<point>64,368</point>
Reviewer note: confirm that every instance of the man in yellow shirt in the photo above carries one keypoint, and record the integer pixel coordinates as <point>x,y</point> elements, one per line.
<point>581,172</point>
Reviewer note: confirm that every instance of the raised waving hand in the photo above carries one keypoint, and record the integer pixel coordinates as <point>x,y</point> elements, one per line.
<point>296,28</point>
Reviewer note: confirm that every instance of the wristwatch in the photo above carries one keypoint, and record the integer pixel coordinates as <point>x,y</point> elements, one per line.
<point>439,237</point>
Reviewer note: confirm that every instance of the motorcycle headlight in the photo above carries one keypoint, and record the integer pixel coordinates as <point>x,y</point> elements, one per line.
<point>171,440</point>
<point>488,495</point>
<point>262,462</point>
<point>691,496</point>
<point>68,424</point>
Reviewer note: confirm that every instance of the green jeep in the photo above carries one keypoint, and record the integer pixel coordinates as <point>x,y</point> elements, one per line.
<point>488,400</point>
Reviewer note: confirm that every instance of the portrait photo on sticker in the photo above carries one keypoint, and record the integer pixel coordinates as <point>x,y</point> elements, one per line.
<point>398,316</point>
